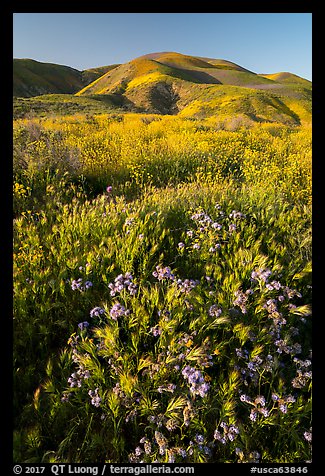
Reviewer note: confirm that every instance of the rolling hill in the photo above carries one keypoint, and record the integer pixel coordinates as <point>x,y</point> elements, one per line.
<point>33,78</point>
<point>191,86</point>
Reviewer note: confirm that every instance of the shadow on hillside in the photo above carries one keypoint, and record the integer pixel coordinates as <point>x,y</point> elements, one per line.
<point>163,98</point>
<point>201,76</point>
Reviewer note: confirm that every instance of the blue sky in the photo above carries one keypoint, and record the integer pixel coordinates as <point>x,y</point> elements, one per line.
<point>260,42</point>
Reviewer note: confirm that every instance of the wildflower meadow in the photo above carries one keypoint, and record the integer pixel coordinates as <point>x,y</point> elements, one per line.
<point>162,290</point>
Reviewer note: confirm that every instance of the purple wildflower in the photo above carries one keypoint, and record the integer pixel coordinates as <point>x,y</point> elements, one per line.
<point>229,432</point>
<point>156,331</point>
<point>95,398</point>
<point>308,436</point>
<point>83,325</point>
<point>187,285</point>
<point>260,400</point>
<point>236,215</point>
<point>261,274</point>
<point>96,312</point>
<point>163,273</point>
<point>215,311</point>
<point>118,311</point>
<point>198,386</point>
<point>123,282</point>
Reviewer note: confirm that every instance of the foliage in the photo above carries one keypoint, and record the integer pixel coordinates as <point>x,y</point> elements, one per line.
<point>162,291</point>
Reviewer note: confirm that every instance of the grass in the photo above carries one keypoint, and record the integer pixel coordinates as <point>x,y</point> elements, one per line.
<point>167,318</point>
<point>48,105</point>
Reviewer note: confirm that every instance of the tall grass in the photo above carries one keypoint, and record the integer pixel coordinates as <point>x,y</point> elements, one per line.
<point>166,318</point>
<point>135,150</point>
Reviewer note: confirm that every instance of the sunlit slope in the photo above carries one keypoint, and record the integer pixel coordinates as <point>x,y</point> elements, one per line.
<point>33,78</point>
<point>171,83</point>
<point>137,72</point>
<point>288,78</point>
<point>153,67</point>
<point>211,70</point>
<point>252,104</point>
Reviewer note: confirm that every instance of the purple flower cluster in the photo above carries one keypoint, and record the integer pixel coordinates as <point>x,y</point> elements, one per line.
<point>95,398</point>
<point>187,285</point>
<point>229,433</point>
<point>156,331</point>
<point>214,248</point>
<point>65,397</point>
<point>202,218</point>
<point>282,346</point>
<point>123,282</point>
<point>150,446</point>
<point>76,378</point>
<point>212,229</point>
<point>163,273</point>
<point>165,313</point>
<point>259,406</point>
<point>235,215</point>
<point>283,401</point>
<point>161,441</point>
<point>198,386</point>
<point>216,226</point>
<point>274,285</point>
<point>147,445</point>
<point>129,221</point>
<point>118,311</point>
<point>97,312</point>
<point>242,299</point>
<point>291,293</point>
<point>204,222</point>
<point>308,436</point>
<point>242,353</point>
<point>83,325</point>
<point>272,309</point>
<point>215,310</point>
<point>198,446</point>
<point>171,424</point>
<point>261,274</point>
<point>303,375</point>
<point>79,285</point>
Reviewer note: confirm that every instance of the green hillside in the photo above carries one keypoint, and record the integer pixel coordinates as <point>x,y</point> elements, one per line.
<point>171,83</point>
<point>164,83</point>
<point>90,75</point>
<point>33,78</point>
